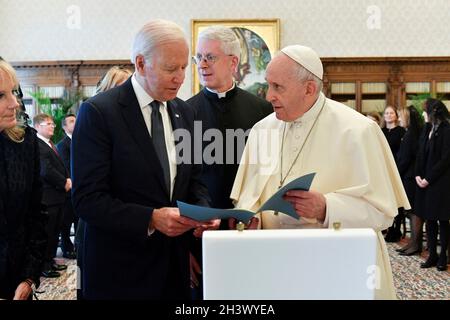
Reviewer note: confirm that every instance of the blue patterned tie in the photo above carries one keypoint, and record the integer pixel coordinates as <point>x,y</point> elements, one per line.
<point>159,141</point>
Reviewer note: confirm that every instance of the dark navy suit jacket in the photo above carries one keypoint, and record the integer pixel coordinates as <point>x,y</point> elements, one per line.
<point>53,175</point>
<point>64,151</point>
<point>117,182</point>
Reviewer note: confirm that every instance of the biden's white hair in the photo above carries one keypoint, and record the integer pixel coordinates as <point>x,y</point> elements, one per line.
<point>153,34</point>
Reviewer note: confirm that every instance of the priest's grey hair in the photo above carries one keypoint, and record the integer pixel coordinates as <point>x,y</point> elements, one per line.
<point>229,42</point>
<point>152,35</point>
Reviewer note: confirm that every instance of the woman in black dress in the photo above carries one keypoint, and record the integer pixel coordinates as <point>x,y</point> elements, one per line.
<point>433,180</point>
<point>394,134</point>
<point>22,222</point>
<point>412,121</point>
<point>392,130</point>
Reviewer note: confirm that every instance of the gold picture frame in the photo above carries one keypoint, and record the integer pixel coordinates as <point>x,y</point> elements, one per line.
<point>260,39</point>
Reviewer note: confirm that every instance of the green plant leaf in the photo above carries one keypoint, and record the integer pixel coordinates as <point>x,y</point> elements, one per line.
<point>60,108</point>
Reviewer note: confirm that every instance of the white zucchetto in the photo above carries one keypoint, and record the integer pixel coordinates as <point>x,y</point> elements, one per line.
<point>306,57</point>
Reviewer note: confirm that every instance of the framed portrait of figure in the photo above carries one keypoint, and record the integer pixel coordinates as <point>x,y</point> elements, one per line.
<point>259,39</point>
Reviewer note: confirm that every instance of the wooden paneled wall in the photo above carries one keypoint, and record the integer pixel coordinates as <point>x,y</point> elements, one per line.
<point>394,72</point>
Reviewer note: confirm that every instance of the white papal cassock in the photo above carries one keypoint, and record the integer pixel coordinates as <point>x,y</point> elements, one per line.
<point>355,170</point>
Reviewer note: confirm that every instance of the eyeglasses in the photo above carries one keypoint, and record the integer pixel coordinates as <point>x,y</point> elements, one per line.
<point>48,124</point>
<point>208,58</point>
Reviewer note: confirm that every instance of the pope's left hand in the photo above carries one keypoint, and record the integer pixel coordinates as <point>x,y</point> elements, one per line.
<point>308,204</point>
<point>207,225</point>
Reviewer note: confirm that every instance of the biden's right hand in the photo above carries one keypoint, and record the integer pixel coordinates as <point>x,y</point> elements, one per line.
<point>169,222</point>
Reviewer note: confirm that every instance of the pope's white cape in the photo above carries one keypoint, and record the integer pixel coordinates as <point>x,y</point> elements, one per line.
<point>355,171</point>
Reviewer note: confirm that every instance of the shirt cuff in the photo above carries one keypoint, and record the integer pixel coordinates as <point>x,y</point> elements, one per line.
<point>150,230</point>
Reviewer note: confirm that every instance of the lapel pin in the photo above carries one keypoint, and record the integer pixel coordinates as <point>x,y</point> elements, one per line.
<point>177,115</point>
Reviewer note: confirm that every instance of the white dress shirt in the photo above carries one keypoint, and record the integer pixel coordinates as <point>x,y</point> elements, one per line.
<point>144,101</point>
<point>47,141</point>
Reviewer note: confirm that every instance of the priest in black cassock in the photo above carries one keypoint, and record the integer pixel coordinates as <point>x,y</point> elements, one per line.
<point>227,109</point>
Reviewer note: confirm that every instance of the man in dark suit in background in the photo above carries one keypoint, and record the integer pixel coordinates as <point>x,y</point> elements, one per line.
<point>56,184</point>
<point>127,179</point>
<point>223,106</point>
<point>67,247</point>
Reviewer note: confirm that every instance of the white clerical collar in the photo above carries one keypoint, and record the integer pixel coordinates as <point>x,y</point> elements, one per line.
<point>47,141</point>
<point>221,94</point>
<point>312,113</point>
<point>143,98</point>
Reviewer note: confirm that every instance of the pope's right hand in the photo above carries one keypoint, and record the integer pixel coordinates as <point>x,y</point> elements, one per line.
<point>170,222</point>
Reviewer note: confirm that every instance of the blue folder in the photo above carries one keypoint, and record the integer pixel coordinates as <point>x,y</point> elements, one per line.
<point>275,203</point>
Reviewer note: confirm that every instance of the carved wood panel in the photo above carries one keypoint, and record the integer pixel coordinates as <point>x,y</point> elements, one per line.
<point>395,72</point>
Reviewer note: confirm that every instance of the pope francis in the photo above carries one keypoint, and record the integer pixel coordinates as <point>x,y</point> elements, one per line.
<point>356,182</point>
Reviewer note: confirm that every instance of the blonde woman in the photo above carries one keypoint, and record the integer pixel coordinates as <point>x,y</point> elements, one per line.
<point>113,78</point>
<point>22,224</point>
<point>392,129</point>
<point>394,134</point>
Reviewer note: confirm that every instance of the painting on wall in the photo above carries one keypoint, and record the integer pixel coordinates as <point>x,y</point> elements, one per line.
<point>259,39</point>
